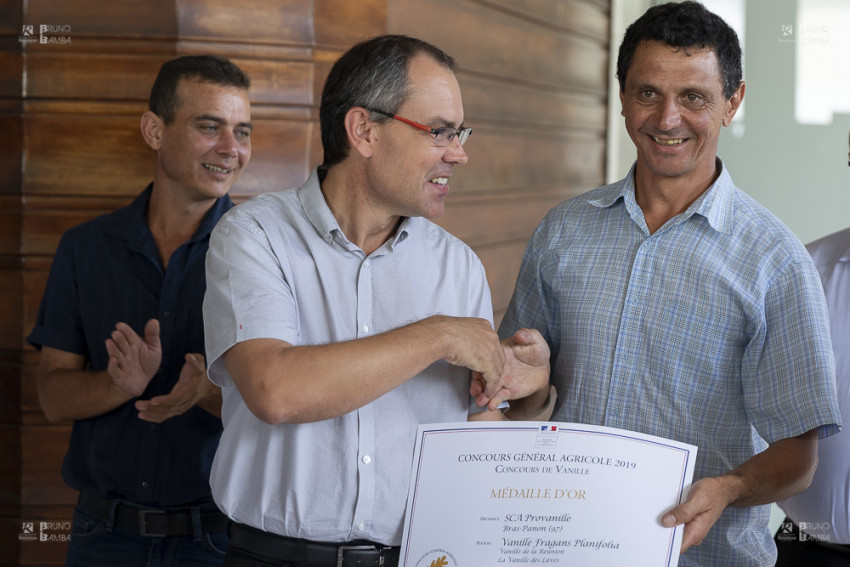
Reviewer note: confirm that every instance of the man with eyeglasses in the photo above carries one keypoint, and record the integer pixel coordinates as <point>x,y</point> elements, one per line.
<point>339,318</point>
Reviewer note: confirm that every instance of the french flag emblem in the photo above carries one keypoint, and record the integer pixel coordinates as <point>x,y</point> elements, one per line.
<point>548,428</point>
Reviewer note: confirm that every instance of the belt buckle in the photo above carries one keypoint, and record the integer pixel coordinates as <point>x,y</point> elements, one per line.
<point>143,522</point>
<point>340,553</point>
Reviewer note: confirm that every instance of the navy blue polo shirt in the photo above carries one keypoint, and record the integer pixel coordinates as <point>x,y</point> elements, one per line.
<point>105,271</point>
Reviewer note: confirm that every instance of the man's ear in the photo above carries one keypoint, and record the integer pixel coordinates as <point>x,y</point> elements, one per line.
<point>361,131</point>
<point>734,103</point>
<point>152,126</point>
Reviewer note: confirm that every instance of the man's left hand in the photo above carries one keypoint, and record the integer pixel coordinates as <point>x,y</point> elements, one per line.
<point>707,499</point>
<point>192,386</point>
<point>526,370</point>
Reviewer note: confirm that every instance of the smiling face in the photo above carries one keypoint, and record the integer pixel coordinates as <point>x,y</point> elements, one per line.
<point>409,175</point>
<point>674,107</point>
<point>201,153</point>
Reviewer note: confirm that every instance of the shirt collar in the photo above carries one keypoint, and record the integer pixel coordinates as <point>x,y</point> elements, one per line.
<point>319,213</point>
<point>716,204</point>
<point>129,223</point>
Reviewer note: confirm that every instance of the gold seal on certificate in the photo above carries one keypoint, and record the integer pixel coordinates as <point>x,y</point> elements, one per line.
<point>515,493</point>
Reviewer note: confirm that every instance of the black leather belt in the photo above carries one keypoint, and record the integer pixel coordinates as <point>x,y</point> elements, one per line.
<point>153,522</point>
<point>301,551</point>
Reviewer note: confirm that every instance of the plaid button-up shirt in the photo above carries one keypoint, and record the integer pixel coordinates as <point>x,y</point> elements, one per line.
<point>712,330</point>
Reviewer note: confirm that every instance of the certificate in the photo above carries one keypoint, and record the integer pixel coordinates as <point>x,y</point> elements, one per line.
<point>525,493</point>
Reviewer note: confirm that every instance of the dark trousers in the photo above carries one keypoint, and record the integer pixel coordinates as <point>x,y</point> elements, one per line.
<point>97,541</point>
<point>238,557</point>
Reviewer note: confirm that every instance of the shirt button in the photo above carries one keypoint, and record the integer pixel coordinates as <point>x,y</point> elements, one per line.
<point>145,484</point>
<point>167,313</point>
<point>361,526</point>
<point>367,263</point>
<point>365,328</point>
<point>367,459</point>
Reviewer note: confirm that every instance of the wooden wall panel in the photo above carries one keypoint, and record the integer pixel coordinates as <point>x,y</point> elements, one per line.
<point>533,75</point>
<point>12,11</point>
<point>73,75</point>
<point>11,443</point>
<point>339,24</point>
<point>11,286</point>
<point>247,21</point>
<point>579,18</point>
<point>281,86</point>
<point>12,148</point>
<point>11,68</point>
<point>38,486</point>
<point>11,151</point>
<point>526,161</point>
<point>86,154</point>
<point>10,230</point>
<point>497,43</point>
<point>527,106</point>
<point>143,19</point>
<point>280,155</point>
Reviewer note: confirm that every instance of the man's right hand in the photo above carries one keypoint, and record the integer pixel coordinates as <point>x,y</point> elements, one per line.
<point>475,345</point>
<point>285,383</point>
<point>133,360</point>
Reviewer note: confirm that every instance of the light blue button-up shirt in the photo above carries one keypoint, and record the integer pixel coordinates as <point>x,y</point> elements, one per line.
<point>711,330</point>
<point>280,267</point>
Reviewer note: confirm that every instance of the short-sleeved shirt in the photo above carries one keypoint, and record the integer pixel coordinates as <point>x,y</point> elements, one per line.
<point>712,331</point>
<point>105,271</point>
<point>280,267</point>
<point>823,510</point>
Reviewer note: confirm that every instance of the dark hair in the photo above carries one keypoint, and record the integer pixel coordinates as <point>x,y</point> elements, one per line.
<point>206,68</point>
<point>372,74</point>
<point>686,24</point>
